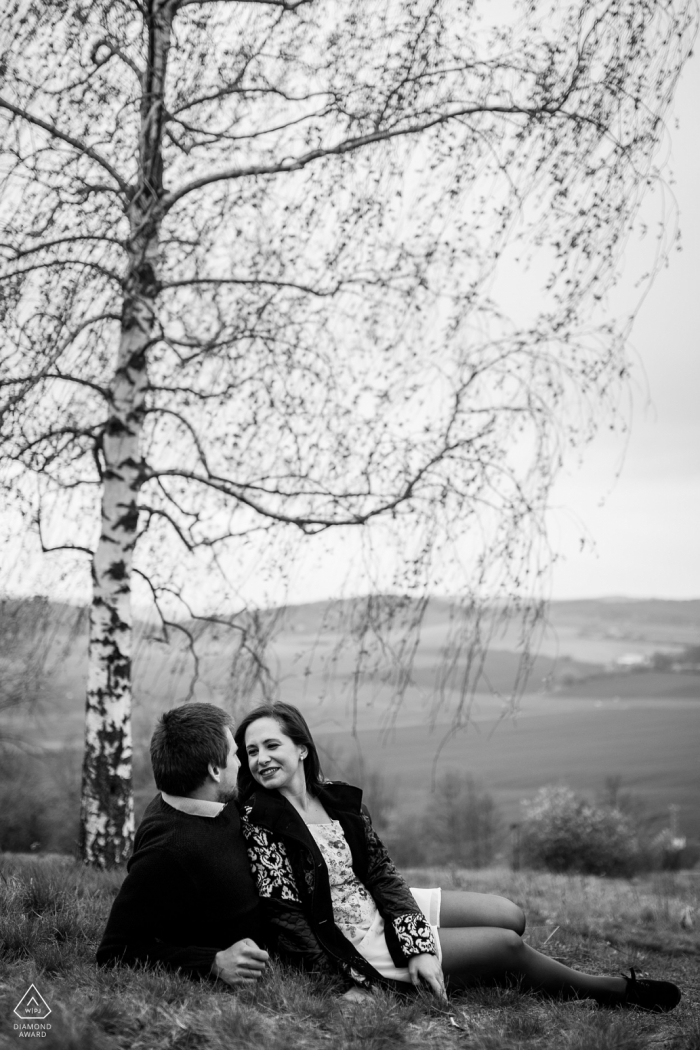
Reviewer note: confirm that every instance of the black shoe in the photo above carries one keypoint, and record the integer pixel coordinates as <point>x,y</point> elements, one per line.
<point>657,996</point>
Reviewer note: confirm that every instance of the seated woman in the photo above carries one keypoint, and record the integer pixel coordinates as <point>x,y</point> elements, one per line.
<point>336,903</point>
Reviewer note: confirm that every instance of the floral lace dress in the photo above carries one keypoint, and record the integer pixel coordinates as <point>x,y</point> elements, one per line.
<point>354,910</point>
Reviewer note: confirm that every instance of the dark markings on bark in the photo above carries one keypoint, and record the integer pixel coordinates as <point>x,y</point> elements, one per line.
<point>117,571</point>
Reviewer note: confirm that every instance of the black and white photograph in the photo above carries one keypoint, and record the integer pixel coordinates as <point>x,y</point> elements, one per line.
<point>350,524</point>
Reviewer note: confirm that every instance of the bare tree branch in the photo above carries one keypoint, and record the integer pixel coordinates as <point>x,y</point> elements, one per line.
<point>63,136</point>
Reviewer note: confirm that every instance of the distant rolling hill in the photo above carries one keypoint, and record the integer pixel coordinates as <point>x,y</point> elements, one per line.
<point>579,718</point>
<point>314,656</point>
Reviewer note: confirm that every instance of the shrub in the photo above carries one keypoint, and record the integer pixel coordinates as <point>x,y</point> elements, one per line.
<point>564,833</point>
<point>460,825</point>
<point>405,840</point>
<point>39,801</point>
<point>40,798</point>
<point>378,794</point>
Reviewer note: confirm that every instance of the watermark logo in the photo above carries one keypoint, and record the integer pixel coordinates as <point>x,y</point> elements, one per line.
<point>32,1006</point>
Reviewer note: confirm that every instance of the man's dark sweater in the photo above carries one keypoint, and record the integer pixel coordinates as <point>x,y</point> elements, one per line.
<point>187,895</point>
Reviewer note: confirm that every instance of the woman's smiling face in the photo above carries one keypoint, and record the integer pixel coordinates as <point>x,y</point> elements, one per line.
<point>274,759</point>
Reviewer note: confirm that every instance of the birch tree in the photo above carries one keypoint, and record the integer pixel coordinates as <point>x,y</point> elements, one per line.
<point>250,254</point>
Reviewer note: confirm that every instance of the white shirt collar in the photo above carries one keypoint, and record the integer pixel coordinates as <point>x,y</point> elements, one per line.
<point>196,807</point>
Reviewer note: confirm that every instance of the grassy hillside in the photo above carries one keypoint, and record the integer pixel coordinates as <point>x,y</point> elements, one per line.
<point>52,914</point>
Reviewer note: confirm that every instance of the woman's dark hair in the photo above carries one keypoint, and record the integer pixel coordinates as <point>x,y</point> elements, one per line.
<point>185,741</point>
<point>293,724</point>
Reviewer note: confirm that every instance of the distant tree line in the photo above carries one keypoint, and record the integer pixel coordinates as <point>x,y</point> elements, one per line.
<point>458,824</point>
<point>461,825</point>
<point>688,659</point>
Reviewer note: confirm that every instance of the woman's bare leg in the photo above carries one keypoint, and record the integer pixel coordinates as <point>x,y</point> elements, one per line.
<point>459,908</point>
<point>477,954</point>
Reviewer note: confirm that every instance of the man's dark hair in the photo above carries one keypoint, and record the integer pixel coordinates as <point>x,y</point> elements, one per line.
<point>293,724</point>
<point>183,744</point>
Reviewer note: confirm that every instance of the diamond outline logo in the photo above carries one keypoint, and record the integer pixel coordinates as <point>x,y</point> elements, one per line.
<point>32,1006</point>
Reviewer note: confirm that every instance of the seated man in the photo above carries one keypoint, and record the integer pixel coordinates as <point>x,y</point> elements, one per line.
<point>189,900</point>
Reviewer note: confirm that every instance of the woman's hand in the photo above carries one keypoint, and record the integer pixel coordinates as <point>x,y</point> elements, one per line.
<point>427,968</point>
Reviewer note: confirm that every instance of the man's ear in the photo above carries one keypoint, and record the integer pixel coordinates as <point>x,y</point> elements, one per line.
<point>214,772</point>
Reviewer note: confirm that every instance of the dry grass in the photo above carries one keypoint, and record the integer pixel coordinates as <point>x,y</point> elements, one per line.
<point>52,913</point>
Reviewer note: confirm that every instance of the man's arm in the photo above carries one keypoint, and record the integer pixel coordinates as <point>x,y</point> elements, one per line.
<point>142,924</point>
<point>190,959</point>
<point>241,963</point>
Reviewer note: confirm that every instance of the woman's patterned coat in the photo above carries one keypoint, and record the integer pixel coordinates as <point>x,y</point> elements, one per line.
<point>292,881</point>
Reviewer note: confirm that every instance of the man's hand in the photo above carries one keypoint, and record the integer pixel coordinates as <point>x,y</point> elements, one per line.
<point>426,968</point>
<point>242,963</point>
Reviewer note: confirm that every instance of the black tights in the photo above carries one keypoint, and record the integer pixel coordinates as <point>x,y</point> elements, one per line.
<point>480,937</point>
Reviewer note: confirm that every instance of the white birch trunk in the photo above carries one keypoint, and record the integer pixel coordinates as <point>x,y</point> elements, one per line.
<point>107,814</point>
<point>107,810</point>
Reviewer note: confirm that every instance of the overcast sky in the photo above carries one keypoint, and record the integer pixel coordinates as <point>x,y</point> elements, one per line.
<point>646,524</point>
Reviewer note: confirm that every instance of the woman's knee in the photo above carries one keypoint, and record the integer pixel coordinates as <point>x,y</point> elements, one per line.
<point>518,920</point>
<point>513,917</point>
<point>512,948</point>
<point>460,909</point>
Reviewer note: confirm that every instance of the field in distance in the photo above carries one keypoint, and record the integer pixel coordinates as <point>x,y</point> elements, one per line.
<point>581,719</point>
<point>652,745</point>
